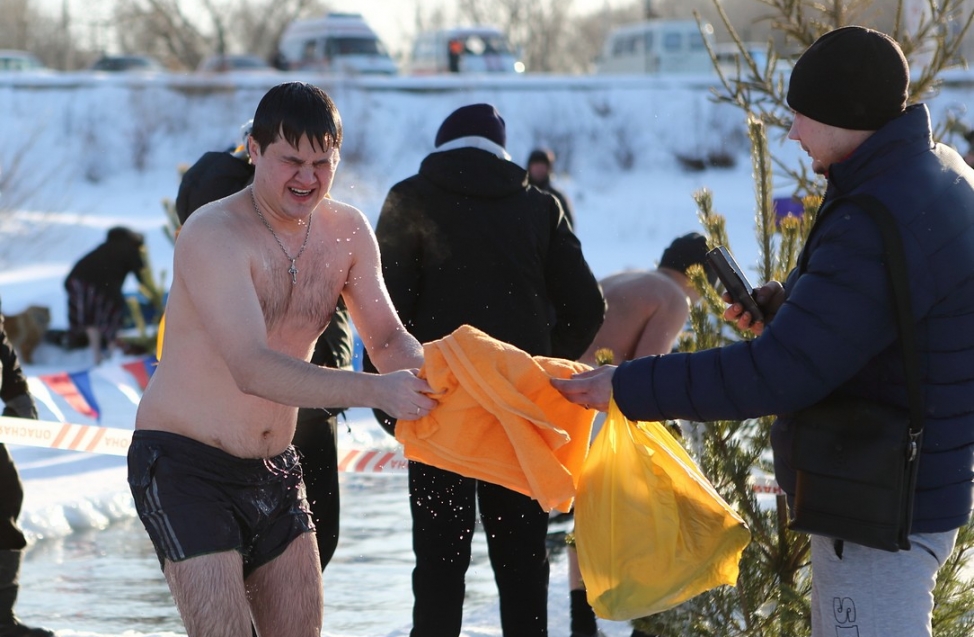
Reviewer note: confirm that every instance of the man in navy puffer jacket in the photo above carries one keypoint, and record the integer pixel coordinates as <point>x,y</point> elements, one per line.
<point>832,328</point>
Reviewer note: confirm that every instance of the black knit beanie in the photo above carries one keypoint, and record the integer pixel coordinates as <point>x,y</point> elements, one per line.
<point>853,78</point>
<point>541,156</point>
<point>690,249</point>
<point>475,120</point>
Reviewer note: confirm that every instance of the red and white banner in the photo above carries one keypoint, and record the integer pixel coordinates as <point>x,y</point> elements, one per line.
<point>372,461</point>
<point>65,435</point>
<point>761,483</point>
<point>114,441</point>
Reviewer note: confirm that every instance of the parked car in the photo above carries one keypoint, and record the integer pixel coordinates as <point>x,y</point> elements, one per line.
<point>125,63</point>
<point>230,62</point>
<point>340,43</point>
<point>12,60</point>
<point>657,46</point>
<point>478,49</point>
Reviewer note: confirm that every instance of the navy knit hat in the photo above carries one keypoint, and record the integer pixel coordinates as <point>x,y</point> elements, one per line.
<point>853,78</point>
<point>690,249</point>
<point>475,120</point>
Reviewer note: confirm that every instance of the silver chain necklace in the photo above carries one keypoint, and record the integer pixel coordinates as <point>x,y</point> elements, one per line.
<point>293,270</point>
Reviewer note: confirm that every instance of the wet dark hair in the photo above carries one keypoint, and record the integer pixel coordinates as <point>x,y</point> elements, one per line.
<point>296,109</point>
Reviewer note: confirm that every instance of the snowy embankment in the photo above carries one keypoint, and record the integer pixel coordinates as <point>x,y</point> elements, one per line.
<point>83,152</point>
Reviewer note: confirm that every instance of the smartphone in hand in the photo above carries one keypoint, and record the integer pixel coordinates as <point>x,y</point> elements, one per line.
<point>730,274</point>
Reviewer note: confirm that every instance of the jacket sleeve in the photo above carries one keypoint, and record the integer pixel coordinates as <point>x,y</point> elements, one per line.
<point>838,315</point>
<point>334,348</point>
<point>138,266</point>
<point>14,380</point>
<point>566,207</point>
<point>575,293</point>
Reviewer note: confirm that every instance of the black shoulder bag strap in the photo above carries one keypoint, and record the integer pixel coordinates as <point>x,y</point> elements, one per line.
<point>899,281</point>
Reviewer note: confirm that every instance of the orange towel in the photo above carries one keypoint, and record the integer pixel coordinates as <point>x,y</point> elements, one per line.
<point>499,419</point>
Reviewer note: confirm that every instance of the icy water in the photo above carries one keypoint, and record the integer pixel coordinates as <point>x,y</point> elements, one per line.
<point>108,582</point>
<point>97,581</point>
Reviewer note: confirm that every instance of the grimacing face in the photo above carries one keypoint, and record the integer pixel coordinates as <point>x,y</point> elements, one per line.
<point>299,177</point>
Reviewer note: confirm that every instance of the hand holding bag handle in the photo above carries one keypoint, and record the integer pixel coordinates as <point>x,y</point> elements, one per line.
<point>861,428</point>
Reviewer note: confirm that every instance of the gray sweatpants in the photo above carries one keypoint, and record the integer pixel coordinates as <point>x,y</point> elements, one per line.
<point>873,593</point>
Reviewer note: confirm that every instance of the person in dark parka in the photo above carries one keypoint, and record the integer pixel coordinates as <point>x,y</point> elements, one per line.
<point>541,163</point>
<point>831,329</point>
<point>18,403</point>
<point>96,305</point>
<point>468,241</point>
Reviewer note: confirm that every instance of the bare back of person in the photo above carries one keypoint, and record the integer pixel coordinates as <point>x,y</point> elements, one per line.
<point>646,310</point>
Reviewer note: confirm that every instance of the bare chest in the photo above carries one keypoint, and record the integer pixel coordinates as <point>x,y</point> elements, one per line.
<point>298,292</point>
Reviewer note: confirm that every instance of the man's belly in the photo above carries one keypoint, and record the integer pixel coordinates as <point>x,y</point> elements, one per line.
<point>241,425</point>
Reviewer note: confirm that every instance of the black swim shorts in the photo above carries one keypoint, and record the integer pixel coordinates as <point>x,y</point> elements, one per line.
<point>194,499</point>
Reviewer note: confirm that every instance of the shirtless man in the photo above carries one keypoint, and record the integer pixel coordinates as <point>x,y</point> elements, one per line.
<point>647,309</point>
<point>212,471</point>
<point>645,312</point>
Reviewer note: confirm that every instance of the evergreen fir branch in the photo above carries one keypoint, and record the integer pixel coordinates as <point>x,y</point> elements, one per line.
<point>761,160</point>
<point>171,229</point>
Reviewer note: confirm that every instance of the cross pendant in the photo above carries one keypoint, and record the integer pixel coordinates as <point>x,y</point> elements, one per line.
<point>293,271</point>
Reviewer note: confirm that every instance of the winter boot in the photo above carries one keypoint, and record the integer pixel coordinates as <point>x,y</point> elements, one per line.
<point>9,626</point>
<point>582,616</point>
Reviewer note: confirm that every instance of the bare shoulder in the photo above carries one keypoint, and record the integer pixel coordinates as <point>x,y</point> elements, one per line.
<point>344,221</point>
<point>217,216</point>
<point>636,282</point>
<point>341,212</point>
<point>215,228</point>
<point>620,279</point>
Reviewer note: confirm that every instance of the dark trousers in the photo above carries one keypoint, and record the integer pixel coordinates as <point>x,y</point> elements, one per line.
<point>444,506</point>
<point>316,441</point>
<point>11,499</point>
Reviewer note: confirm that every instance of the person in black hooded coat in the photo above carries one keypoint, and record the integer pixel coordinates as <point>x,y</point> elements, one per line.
<point>96,304</point>
<point>468,241</point>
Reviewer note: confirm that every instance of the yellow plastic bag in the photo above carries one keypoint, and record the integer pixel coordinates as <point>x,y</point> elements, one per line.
<point>650,530</point>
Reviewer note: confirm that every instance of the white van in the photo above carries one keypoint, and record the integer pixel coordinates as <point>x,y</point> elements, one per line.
<point>729,59</point>
<point>475,49</point>
<point>657,46</point>
<point>340,43</point>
